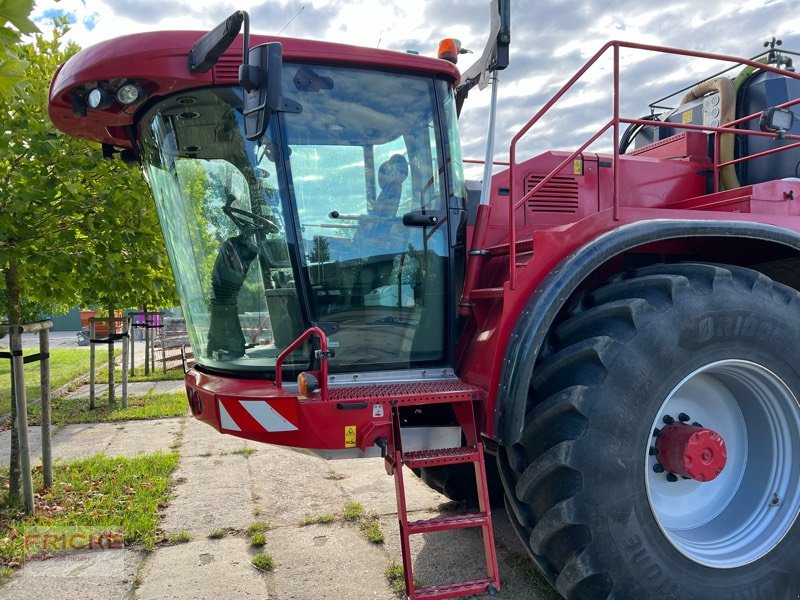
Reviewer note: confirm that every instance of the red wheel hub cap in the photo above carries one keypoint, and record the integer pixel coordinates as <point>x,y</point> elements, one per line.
<point>690,451</point>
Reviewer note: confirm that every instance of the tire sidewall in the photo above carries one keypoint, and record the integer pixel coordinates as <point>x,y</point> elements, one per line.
<point>696,331</point>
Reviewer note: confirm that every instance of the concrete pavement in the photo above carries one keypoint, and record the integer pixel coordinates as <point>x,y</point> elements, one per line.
<point>227,482</point>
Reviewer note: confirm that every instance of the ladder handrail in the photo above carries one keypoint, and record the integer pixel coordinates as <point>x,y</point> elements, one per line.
<point>323,361</point>
<point>615,122</point>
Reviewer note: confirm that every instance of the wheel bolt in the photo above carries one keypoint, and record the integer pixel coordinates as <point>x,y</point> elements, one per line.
<point>684,418</point>
<point>672,478</point>
<point>696,424</point>
<point>656,432</point>
<point>775,500</point>
<point>657,468</point>
<point>653,451</point>
<point>668,420</point>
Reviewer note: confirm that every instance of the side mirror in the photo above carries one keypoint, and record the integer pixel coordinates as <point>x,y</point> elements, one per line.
<point>503,35</point>
<point>259,74</point>
<point>262,87</point>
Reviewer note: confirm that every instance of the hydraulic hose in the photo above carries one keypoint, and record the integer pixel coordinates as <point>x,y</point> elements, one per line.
<point>727,103</point>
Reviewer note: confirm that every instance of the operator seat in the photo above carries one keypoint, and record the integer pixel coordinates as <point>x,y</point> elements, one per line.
<point>376,227</point>
<point>379,234</point>
<point>391,176</point>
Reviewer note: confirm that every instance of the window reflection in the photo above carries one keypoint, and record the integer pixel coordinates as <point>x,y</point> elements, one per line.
<point>363,155</point>
<point>225,231</point>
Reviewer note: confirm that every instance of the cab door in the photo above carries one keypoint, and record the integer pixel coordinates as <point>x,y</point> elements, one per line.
<point>364,172</point>
<point>375,251</point>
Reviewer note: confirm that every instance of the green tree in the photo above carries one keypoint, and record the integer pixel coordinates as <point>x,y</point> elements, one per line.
<point>14,21</point>
<point>320,250</point>
<point>75,229</point>
<point>122,262</point>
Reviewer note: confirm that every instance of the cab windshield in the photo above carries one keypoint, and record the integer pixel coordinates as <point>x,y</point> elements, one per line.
<point>336,217</point>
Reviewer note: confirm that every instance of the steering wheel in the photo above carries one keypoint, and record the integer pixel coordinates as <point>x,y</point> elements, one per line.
<point>246,221</point>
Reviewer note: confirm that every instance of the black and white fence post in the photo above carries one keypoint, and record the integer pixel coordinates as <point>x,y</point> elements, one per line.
<point>18,361</point>
<point>111,338</point>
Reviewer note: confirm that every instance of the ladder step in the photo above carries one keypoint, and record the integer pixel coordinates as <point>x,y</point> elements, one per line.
<point>453,590</point>
<point>486,293</point>
<point>448,523</point>
<point>504,249</point>
<point>444,456</point>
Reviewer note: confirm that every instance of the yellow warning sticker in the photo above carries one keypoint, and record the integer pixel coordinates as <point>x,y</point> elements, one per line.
<point>687,117</point>
<point>350,436</point>
<point>577,166</point>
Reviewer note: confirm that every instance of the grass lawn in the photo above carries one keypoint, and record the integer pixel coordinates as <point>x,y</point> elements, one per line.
<point>65,365</point>
<point>148,406</point>
<point>100,491</point>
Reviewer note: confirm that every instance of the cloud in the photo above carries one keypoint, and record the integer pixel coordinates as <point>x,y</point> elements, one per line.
<point>551,40</point>
<point>149,11</point>
<point>307,20</point>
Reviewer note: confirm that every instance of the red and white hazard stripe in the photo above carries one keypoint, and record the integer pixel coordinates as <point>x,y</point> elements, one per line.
<point>257,415</point>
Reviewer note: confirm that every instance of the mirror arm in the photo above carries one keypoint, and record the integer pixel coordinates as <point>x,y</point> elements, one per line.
<point>249,75</point>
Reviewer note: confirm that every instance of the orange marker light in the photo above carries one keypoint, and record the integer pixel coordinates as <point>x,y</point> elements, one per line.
<point>306,383</point>
<point>449,49</point>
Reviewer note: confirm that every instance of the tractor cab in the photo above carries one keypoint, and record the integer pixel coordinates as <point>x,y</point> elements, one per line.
<point>341,214</point>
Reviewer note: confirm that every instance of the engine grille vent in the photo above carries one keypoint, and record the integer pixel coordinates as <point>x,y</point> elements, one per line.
<point>559,195</point>
<point>227,69</point>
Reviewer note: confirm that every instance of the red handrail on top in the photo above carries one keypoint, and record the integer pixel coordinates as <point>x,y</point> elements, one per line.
<point>614,123</point>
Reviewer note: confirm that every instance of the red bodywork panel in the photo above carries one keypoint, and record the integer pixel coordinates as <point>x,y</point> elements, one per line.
<point>159,62</point>
<point>351,417</point>
<point>666,180</point>
<point>257,410</point>
<point>483,344</point>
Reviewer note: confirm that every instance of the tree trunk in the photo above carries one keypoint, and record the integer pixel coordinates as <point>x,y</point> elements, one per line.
<point>11,277</point>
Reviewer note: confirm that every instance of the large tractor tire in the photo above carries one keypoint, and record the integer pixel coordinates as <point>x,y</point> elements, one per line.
<point>619,486</point>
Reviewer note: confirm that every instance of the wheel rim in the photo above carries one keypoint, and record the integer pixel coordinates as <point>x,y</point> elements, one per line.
<point>747,510</point>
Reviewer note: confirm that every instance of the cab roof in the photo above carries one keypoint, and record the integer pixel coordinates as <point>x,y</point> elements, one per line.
<point>159,62</point>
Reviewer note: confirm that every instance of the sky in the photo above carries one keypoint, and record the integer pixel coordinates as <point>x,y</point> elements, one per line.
<point>550,41</point>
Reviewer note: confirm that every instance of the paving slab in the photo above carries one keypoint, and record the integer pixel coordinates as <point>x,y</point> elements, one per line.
<point>365,480</point>
<point>123,438</point>
<point>327,562</point>
<point>34,443</point>
<point>289,485</point>
<point>135,388</point>
<point>211,492</point>
<point>200,439</point>
<point>202,569</point>
<point>57,579</point>
<point>145,437</point>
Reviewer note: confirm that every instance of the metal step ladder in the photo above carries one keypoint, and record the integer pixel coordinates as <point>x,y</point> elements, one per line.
<point>472,452</point>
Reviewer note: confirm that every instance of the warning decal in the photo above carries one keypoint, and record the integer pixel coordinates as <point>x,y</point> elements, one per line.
<point>350,436</point>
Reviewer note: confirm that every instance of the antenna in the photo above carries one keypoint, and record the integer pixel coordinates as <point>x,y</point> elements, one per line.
<point>290,20</point>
